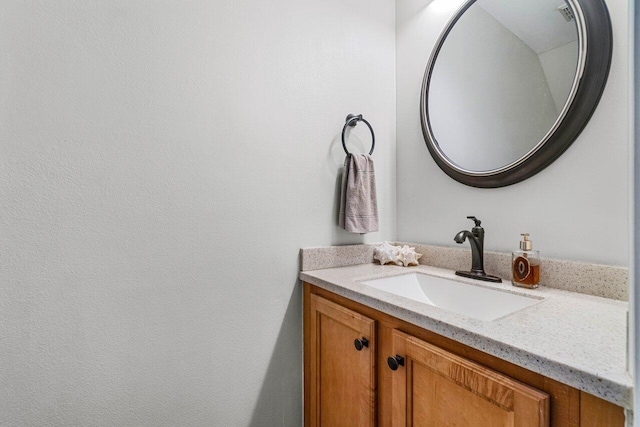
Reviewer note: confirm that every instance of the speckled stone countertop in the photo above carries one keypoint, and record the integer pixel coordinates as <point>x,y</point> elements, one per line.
<point>577,339</point>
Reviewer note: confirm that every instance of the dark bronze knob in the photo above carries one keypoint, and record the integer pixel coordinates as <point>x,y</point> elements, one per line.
<point>394,362</point>
<point>361,343</point>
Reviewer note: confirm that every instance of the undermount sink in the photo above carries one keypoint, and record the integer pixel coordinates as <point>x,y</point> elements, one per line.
<point>470,300</point>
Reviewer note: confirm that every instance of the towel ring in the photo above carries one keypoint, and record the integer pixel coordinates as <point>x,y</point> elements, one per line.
<point>353,120</point>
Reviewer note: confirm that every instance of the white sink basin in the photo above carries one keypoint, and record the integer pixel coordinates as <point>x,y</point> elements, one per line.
<point>470,300</point>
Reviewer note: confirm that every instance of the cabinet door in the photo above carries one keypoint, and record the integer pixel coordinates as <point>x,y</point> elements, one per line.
<point>437,388</point>
<point>342,371</point>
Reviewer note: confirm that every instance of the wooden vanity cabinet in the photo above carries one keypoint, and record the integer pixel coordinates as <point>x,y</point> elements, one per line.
<point>433,387</point>
<point>437,382</point>
<point>343,366</point>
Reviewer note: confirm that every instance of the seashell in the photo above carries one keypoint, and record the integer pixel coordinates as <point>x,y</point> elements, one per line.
<point>386,253</point>
<point>408,256</point>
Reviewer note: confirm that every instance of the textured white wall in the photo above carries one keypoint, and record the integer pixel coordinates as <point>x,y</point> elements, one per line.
<point>161,164</point>
<point>574,209</point>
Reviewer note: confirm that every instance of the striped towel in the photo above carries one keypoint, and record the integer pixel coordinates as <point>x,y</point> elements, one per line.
<point>358,201</point>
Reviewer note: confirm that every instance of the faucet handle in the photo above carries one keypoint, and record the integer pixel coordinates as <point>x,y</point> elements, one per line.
<point>476,220</point>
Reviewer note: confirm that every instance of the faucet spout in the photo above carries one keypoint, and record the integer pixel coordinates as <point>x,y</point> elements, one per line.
<point>462,236</point>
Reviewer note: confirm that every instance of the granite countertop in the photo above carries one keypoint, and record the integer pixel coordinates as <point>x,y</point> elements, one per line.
<point>577,339</point>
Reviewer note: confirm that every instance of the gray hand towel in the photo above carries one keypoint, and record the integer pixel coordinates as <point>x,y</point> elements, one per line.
<point>358,201</point>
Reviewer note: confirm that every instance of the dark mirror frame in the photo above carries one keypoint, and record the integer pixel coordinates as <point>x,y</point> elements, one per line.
<point>599,46</point>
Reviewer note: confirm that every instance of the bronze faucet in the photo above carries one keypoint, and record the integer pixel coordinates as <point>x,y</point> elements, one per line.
<point>476,240</point>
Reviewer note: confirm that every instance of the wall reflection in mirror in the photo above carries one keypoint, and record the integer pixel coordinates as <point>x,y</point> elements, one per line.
<point>501,80</point>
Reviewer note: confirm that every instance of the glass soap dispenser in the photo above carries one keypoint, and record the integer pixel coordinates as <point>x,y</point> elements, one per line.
<point>525,265</point>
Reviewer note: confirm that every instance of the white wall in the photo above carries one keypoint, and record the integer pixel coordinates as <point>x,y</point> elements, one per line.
<point>574,209</point>
<point>161,164</point>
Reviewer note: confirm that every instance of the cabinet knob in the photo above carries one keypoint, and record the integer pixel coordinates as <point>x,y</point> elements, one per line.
<point>361,343</point>
<point>394,362</point>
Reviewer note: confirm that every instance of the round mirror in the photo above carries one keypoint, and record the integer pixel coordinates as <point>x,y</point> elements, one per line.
<point>511,84</point>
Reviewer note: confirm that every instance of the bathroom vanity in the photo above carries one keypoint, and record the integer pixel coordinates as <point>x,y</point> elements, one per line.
<point>379,351</point>
<point>373,357</point>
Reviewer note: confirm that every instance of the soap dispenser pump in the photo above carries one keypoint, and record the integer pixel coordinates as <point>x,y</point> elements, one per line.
<point>525,265</point>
